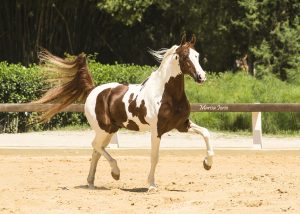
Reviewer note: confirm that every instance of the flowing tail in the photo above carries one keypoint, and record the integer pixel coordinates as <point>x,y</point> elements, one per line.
<point>71,81</point>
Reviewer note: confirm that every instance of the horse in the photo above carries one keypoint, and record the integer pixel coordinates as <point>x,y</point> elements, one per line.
<point>158,105</point>
<point>242,64</point>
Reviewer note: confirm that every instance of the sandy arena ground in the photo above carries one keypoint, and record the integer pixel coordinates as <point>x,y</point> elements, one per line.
<point>54,181</point>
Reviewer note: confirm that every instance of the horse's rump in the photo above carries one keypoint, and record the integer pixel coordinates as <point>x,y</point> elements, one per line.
<point>110,109</point>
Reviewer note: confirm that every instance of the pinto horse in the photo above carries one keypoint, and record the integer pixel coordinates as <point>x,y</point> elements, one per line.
<point>158,105</point>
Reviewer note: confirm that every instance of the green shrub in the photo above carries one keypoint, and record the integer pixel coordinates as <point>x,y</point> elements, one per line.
<point>243,88</point>
<point>20,85</point>
<point>121,73</point>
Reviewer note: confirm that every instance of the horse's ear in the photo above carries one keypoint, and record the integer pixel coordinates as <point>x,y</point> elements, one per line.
<point>193,40</point>
<point>183,39</point>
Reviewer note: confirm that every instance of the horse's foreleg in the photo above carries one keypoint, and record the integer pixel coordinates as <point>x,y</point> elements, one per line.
<point>155,142</point>
<point>208,161</point>
<point>91,177</point>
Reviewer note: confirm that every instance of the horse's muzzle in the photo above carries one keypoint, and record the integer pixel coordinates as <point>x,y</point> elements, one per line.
<point>199,79</point>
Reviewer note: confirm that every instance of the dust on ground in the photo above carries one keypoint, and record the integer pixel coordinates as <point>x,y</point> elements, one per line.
<point>54,181</point>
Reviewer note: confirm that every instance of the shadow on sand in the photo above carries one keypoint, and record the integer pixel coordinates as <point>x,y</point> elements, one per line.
<point>88,188</point>
<point>175,190</point>
<point>135,189</point>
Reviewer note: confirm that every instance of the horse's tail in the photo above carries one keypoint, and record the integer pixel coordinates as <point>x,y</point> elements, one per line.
<point>70,81</point>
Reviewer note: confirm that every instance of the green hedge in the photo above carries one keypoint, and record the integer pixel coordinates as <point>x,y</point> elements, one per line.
<point>242,88</point>
<point>19,85</point>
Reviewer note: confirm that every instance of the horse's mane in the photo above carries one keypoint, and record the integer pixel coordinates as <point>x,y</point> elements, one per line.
<point>162,54</point>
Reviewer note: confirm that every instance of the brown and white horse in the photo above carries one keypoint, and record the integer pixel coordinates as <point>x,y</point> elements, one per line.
<point>158,105</point>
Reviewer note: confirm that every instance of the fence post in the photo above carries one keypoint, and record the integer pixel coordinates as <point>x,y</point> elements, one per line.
<point>256,129</point>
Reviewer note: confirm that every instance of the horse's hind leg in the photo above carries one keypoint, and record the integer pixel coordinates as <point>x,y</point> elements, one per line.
<point>99,146</point>
<point>208,161</point>
<point>94,161</point>
<point>91,177</point>
<point>115,171</point>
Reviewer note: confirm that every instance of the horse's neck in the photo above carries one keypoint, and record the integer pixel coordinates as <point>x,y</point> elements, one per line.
<point>175,87</point>
<point>168,80</point>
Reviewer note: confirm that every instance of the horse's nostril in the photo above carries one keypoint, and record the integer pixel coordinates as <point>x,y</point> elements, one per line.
<point>199,77</point>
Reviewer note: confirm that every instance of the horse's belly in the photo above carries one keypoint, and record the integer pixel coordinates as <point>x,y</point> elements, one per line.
<point>135,124</point>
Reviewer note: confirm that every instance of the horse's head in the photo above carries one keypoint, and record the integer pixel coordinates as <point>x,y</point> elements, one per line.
<point>188,59</point>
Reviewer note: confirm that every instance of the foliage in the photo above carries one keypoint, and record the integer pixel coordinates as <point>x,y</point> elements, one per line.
<point>242,88</point>
<point>271,30</point>
<point>70,25</point>
<point>19,84</point>
<point>122,30</point>
<point>122,73</point>
<point>287,58</point>
<point>127,11</point>
<point>266,31</point>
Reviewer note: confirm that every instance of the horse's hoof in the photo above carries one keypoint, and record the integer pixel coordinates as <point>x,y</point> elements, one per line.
<point>115,176</point>
<point>91,186</point>
<point>207,167</point>
<point>152,189</point>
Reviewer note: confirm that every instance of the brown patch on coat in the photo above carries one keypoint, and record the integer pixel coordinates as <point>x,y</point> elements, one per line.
<point>110,109</point>
<point>136,111</point>
<point>132,126</point>
<point>175,108</point>
<point>130,98</point>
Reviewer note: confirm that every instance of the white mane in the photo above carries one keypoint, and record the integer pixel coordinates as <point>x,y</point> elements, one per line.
<point>161,54</point>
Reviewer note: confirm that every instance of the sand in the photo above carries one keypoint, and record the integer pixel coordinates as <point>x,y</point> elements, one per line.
<point>54,181</point>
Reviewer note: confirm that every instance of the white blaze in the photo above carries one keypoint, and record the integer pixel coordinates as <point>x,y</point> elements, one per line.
<point>194,57</point>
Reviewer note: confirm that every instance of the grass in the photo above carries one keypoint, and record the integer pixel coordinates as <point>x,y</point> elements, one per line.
<point>242,88</point>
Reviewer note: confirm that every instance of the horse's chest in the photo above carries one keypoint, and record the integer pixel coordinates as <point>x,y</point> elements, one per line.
<point>173,114</point>
<point>176,110</point>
